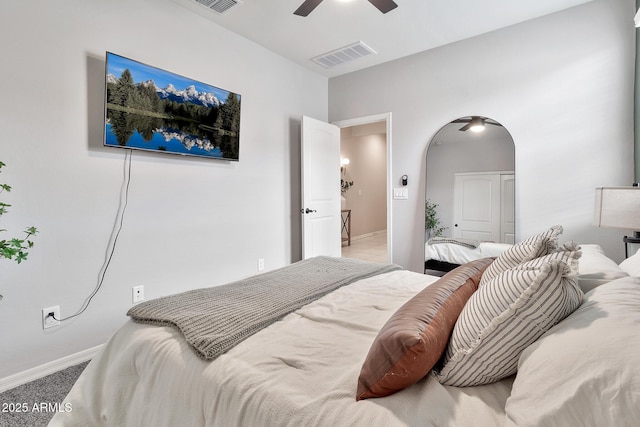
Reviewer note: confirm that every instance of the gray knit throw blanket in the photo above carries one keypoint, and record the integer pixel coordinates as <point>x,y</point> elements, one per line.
<point>469,243</point>
<point>215,319</point>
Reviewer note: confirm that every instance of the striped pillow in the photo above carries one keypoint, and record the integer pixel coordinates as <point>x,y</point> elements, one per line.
<point>531,248</point>
<point>507,315</point>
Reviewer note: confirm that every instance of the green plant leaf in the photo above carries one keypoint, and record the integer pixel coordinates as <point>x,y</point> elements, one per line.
<point>21,256</point>
<point>7,252</point>
<point>14,249</point>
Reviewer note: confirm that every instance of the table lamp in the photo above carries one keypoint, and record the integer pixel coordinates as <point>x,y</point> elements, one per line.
<point>619,207</point>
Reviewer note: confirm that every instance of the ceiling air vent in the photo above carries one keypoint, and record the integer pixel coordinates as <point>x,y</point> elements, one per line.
<point>343,55</point>
<point>219,6</point>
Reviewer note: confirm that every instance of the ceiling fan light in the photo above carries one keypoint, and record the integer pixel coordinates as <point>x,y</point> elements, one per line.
<point>477,124</point>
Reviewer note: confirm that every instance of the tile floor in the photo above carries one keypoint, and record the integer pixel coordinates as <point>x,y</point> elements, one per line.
<point>370,248</point>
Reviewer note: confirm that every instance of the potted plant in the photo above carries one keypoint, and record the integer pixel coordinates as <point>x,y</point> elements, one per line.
<point>432,225</point>
<point>14,249</point>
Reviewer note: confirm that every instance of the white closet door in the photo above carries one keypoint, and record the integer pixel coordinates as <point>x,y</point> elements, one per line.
<point>508,208</point>
<point>477,206</point>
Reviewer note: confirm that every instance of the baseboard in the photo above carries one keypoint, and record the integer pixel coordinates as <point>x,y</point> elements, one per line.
<point>364,236</point>
<point>49,368</point>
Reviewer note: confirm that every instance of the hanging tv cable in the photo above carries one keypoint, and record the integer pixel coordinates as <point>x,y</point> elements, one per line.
<point>113,240</point>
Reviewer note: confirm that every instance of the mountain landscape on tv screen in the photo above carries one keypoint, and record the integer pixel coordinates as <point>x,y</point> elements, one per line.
<point>169,92</point>
<point>184,120</point>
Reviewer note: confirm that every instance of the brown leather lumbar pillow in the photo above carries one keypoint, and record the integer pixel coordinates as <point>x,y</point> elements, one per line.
<point>415,337</point>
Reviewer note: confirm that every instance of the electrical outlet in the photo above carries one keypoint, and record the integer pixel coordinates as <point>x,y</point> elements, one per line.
<point>47,320</point>
<point>260,264</point>
<point>137,294</point>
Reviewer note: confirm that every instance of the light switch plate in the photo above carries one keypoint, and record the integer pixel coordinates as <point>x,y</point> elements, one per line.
<point>401,193</point>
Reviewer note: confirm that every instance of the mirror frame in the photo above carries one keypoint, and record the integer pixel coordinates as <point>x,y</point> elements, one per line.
<point>452,150</point>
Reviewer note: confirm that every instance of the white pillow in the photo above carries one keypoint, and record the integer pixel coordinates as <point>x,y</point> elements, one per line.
<point>506,315</point>
<point>588,282</point>
<point>596,269</point>
<point>594,260</point>
<point>584,371</point>
<point>631,265</point>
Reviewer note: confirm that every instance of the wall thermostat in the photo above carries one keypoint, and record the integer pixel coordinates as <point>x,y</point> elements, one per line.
<point>404,179</point>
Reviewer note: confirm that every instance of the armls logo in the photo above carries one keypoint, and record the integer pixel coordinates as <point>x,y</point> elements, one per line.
<point>51,407</point>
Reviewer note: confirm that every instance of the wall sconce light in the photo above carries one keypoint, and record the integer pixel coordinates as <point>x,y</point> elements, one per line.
<point>619,207</point>
<point>637,18</point>
<point>343,164</point>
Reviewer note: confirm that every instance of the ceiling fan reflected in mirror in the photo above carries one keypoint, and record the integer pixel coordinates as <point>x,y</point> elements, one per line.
<point>307,6</point>
<point>475,123</point>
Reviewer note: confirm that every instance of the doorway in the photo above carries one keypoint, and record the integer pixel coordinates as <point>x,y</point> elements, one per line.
<point>366,187</point>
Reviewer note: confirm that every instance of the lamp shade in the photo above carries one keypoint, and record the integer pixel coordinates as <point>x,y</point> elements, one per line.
<point>617,207</point>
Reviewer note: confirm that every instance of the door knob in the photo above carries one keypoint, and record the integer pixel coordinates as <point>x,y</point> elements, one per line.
<point>307,211</point>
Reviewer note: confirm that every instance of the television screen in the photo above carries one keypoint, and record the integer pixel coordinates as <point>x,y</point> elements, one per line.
<point>147,108</point>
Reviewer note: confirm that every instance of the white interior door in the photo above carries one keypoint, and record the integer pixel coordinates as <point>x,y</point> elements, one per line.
<point>320,185</point>
<point>477,206</point>
<point>508,207</point>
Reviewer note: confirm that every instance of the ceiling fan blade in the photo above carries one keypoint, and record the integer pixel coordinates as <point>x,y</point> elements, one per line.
<point>470,121</point>
<point>307,7</point>
<point>384,6</point>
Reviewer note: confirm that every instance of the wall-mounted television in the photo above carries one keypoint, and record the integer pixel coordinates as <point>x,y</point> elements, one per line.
<point>150,109</point>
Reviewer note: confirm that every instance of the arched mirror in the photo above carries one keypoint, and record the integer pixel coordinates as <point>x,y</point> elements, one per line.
<point>470,193</point>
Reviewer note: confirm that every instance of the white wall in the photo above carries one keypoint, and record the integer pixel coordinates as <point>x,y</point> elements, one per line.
<point>561,84</point>
<point>189,223</point>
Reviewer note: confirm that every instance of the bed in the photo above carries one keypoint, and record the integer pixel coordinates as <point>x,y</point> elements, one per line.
<point>442,254</point>
<point>319,365</point>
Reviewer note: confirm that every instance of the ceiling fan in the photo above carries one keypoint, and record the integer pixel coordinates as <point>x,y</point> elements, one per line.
<point>475,123</point>
<point>307,6</point>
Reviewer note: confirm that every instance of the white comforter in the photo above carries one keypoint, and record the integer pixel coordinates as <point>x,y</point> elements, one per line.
<point>300,371</point>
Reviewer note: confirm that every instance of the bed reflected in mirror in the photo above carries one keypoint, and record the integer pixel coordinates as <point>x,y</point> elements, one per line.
<point>470,193</point>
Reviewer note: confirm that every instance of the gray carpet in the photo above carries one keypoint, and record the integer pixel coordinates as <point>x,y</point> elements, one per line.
<point>35,403</point>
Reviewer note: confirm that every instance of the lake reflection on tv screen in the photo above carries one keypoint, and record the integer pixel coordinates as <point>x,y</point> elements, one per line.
<point>155,110</point>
